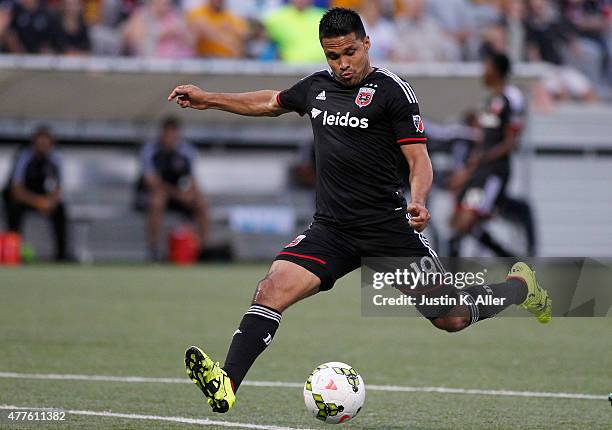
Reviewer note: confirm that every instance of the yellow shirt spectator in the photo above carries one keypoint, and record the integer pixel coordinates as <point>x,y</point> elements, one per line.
<point>349,4</point>
<point>220,33</point>
<point>296,33</point>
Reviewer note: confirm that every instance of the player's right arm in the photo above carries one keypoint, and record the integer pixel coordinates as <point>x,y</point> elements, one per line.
<point>39,202</point>
<point>256,103</point>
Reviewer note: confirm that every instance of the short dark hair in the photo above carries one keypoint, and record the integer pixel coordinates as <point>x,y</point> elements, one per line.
<point>42,130</point>
<point>170,122</point>
<point>339,22</point>
<point>501,63</point>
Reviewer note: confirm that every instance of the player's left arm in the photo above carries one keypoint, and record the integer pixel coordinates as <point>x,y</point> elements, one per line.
<point>404,112</point>
<point>421,178</point>
<point>507,146</point>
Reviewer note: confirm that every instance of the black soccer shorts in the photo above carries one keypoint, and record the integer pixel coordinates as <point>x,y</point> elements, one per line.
<point>483,191</point>
<point>330,252</point>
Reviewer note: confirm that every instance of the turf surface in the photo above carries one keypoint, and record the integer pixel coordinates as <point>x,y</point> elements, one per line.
<point>137,321</point>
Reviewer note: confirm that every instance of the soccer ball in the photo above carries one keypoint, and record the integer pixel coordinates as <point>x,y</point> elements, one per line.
<point>334,392</point>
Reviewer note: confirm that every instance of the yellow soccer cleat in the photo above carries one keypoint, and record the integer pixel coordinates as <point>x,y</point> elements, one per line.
<point>211,379</point>
<point>537,302</point>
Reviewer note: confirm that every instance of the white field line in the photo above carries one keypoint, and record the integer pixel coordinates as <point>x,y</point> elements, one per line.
<point>183,420</point>
<point>388,388</point>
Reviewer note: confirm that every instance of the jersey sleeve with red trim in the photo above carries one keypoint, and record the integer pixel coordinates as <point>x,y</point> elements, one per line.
<point>296,97</point>
<point>403,110</point>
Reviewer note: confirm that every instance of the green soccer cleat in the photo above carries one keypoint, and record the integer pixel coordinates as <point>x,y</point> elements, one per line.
<point>537,302</point>
<point>211,379</point>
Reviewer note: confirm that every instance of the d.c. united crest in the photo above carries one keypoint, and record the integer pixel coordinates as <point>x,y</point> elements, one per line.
<point>365,96</point>
<point>418,123</point>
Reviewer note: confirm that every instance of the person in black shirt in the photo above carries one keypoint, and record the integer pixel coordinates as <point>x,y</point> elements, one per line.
<point>70,32</point>
<point>35,185</point>
<point>480,186</point>
<point>31,28</point>
<point>364,119</point>
<point>168,182</point>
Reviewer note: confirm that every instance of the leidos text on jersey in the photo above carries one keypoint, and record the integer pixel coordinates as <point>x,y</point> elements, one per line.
<point>345,120</point>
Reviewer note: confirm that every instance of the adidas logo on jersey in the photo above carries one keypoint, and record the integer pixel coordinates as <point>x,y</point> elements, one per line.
<point>345,120</point>
<point>321,96</point>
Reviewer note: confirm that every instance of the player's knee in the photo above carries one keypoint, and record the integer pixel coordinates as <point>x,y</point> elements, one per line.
<point>451,324</point>
<point>276,291</point>
<point>268,291</point>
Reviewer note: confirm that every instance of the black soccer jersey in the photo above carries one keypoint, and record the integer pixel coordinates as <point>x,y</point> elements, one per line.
<point>499,113</point>
<point>173,167</point>
<point>358,131</point>
<point>36,173</point>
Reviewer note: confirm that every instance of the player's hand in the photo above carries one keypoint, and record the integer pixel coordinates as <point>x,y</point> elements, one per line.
<point>46,205</point>
<point>419,216</point>
<point>189,96</point>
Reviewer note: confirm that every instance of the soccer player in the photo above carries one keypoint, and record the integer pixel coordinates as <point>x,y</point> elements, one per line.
<point>35,185</point>
<point>167,182</point>
<point>364,118</point>
<point>481,184</point>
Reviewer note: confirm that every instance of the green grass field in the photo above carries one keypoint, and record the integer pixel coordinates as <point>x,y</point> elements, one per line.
<point>137,321</point>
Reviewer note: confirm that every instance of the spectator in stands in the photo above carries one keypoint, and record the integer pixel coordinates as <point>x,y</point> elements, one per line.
<point>259,45</point>
<point>30,30</point>
<point>219,32</point>
<point>420,38</point>
<point>245,9</point>
<point>34,185</point>
<point>547,35</point>
<point>351,4</point>
<point>5,22</point>
<point>588,19</point>
<point>456,19</point>
<point>157,29</point>
<point>380,29</point>
<point>548,38</point>
<point>514,15</point>
<point>103,18</point>
<point>168,182</point>
<point>70,33</point>
<point>294,29</point>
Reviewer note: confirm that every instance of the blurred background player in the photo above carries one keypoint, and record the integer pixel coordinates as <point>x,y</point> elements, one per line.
<point>480,185</point>
<point>34,185</point>
<point>168,182</point>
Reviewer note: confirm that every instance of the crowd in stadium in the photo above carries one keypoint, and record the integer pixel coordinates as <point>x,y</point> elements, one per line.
<point>575,35</point>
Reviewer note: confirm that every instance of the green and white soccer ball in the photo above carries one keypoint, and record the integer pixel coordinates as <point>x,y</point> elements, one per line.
<point>334,392</point>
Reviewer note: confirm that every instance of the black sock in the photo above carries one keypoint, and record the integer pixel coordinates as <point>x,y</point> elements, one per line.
<point>513,291</point>
<point>253,336</point>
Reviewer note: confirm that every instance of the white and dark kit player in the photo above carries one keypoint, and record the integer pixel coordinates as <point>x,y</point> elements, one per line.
<point>364,119</point>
